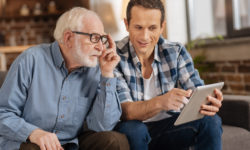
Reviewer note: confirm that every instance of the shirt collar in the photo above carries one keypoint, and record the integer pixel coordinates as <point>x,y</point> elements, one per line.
<point>156,53</point>
<point>56,54</point>
<point>59,60</point>
<point>135,57</point>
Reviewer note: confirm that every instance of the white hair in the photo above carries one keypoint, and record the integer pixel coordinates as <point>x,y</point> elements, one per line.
<point>71,20</point>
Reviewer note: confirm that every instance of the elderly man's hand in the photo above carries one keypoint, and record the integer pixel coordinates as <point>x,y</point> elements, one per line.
<point>45,140</point>
<point>214,104</point>
<point>109,59</point>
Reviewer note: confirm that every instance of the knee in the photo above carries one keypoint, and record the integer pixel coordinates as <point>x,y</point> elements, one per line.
<point>134,130</point>
<point>213,124</point>
<point>214,121</point>
<point>114,140</point>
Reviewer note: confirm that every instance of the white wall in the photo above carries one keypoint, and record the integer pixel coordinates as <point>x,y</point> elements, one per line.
<point>176,20</point>
<point>203,22</point>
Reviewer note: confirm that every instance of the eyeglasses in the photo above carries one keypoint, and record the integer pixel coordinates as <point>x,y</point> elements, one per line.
<point>94,37</point>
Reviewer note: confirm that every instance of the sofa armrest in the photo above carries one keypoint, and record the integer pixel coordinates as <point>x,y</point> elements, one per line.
<point>235,111</point>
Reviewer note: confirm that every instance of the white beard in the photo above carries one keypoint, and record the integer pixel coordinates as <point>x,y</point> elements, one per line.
<point>83,59</point>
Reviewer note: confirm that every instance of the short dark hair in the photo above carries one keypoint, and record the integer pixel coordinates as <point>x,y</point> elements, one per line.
<point>151,4</point>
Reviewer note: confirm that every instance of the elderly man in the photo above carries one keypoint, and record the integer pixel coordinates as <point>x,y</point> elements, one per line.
<point>155,78</point>
<point>52,89</point>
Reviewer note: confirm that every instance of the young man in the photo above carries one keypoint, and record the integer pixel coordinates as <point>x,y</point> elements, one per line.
<point>51,89</point>
<point>155,79</point>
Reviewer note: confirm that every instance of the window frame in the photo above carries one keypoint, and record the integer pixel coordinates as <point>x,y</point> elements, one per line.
<point>231,32</point>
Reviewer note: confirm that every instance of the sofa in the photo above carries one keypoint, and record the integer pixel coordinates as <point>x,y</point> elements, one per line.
<point>235,114</point>
<point>2,77</point>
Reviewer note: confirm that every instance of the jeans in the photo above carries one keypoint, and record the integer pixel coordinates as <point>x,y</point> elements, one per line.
<point>202,134</point>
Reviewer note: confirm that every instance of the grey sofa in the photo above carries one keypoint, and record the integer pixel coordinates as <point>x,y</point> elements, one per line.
<point>235,114</point>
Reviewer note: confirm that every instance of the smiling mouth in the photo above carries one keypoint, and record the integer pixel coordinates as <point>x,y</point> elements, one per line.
<point>143,44</point>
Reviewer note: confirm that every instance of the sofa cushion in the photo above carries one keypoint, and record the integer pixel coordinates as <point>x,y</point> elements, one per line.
<point>234,138</point>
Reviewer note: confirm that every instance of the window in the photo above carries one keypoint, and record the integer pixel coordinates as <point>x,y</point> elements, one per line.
<point>210,18</point>
<point>238,18</point>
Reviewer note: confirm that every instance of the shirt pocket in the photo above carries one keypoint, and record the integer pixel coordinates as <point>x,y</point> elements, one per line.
<point>81,109</point>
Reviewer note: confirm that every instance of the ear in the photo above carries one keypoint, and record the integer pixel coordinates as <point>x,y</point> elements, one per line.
<point>68,38</point>
<point>163,25</point>
<point>126,23</point>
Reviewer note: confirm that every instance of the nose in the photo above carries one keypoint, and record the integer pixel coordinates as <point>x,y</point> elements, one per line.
<point>99,46</point>
<point>145,34</point>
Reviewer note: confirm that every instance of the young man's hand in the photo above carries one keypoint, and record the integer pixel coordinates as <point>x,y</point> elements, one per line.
<point>214,104</point>
<point>175,99</point>
<point>45,140</point>
<point>109,59</point>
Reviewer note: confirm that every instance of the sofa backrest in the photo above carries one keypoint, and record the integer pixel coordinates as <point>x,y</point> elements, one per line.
<point>2,77</point>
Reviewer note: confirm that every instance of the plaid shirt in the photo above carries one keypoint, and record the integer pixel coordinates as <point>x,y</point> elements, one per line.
<point>172,66</point>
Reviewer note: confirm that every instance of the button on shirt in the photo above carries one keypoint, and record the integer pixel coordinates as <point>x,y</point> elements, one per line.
<point>39,93</point>
<point>172,66</point>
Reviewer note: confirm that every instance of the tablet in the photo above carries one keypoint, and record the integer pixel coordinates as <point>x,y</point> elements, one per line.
<point>199,96</point>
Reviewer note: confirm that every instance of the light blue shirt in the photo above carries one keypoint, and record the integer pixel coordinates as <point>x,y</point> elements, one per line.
<point>39,93</point>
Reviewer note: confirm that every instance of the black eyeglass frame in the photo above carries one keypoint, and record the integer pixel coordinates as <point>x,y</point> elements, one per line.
<point>101,37</point>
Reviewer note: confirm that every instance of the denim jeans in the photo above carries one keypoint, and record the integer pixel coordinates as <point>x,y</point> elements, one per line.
<point>202,134</point>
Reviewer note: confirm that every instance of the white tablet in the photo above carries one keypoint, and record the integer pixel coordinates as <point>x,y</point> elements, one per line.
<point>191,111</point>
